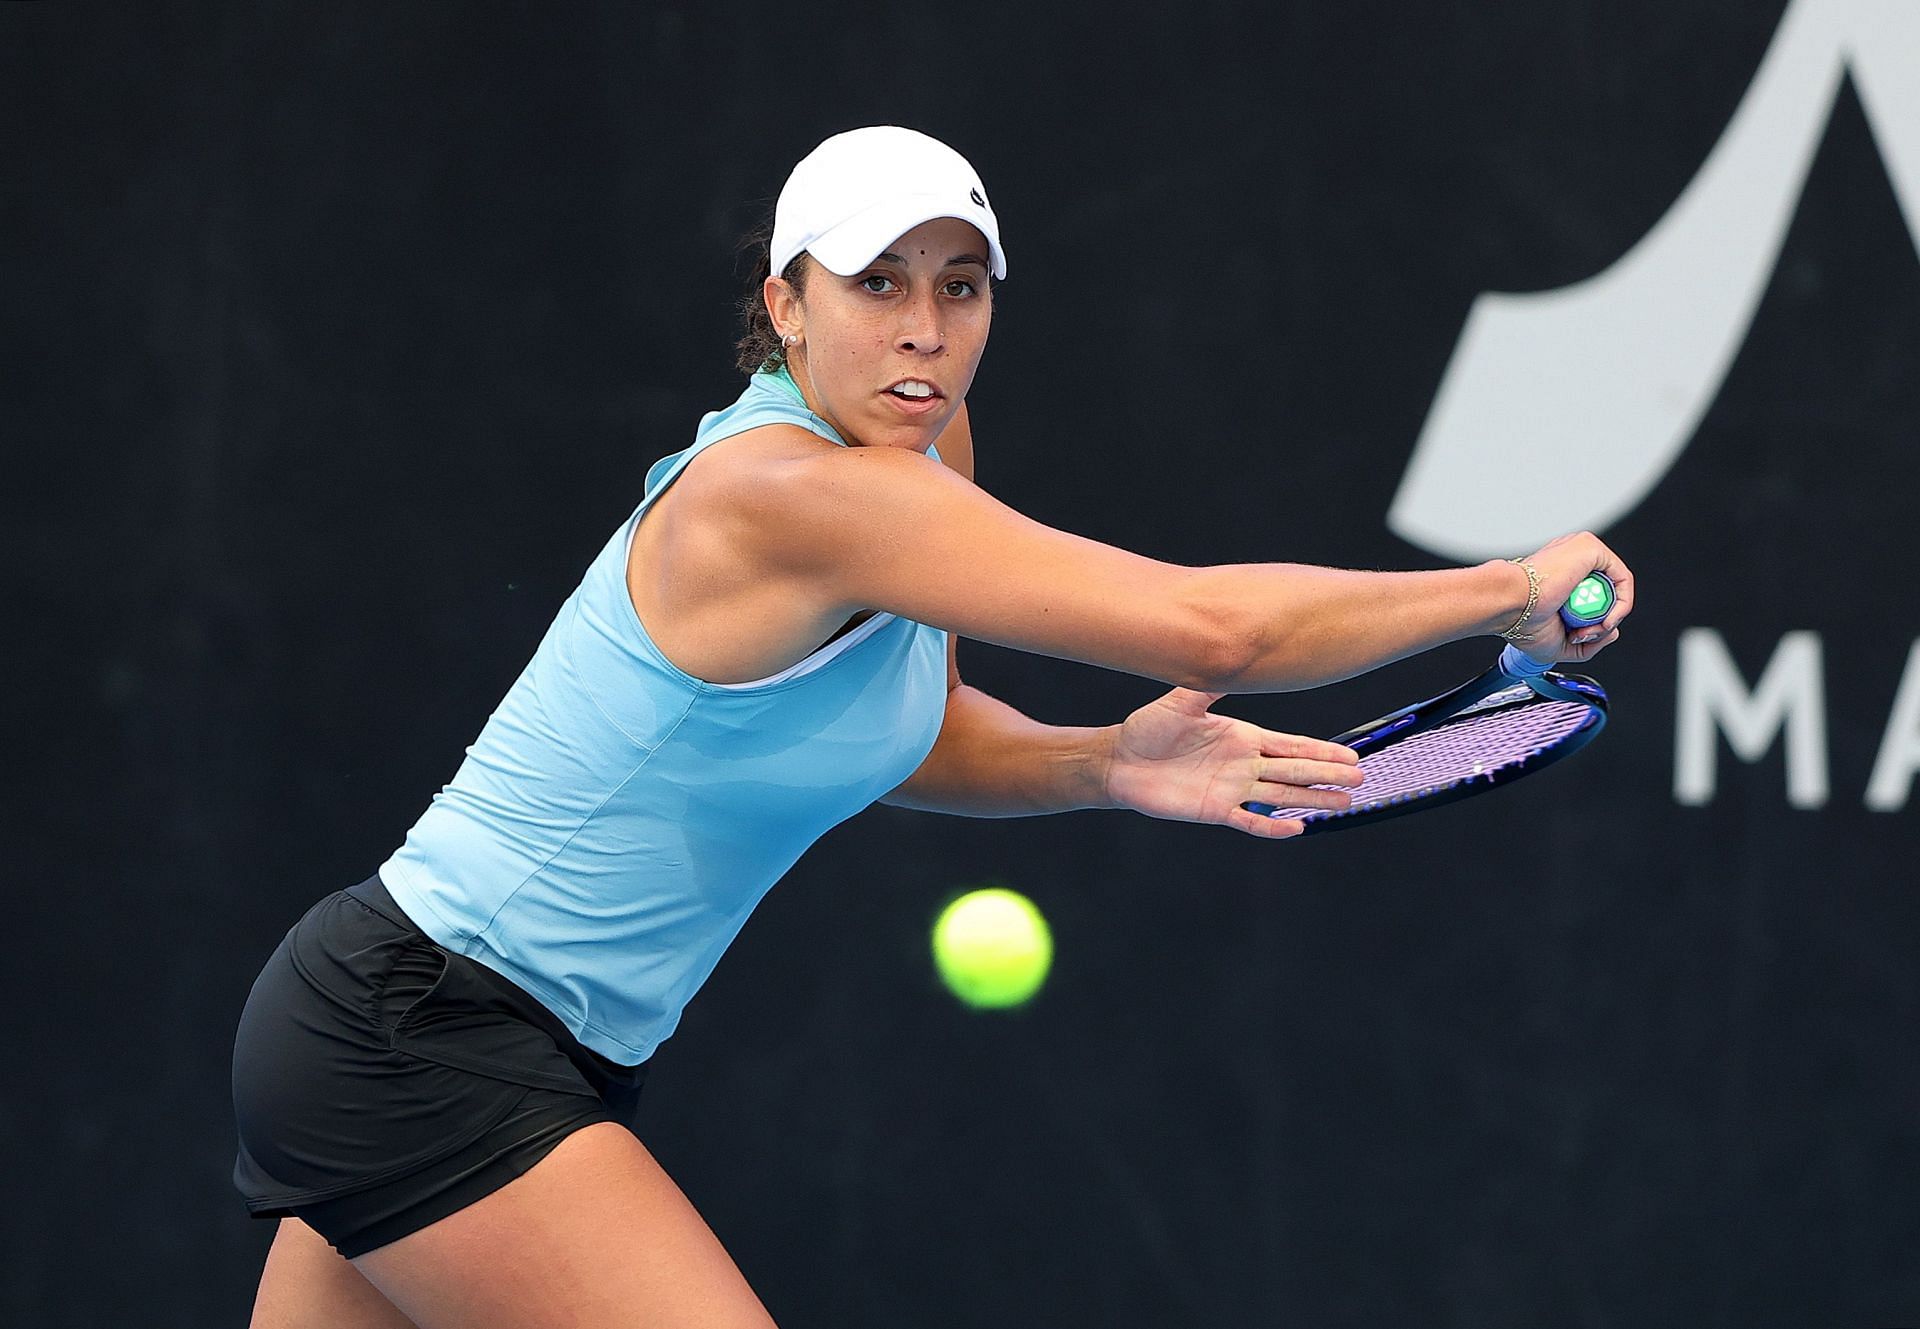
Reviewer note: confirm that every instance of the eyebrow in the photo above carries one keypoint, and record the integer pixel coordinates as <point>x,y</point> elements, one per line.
<point>955,261</point>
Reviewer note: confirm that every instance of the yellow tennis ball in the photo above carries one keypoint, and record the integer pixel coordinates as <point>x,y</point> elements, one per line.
<point>992,947</point>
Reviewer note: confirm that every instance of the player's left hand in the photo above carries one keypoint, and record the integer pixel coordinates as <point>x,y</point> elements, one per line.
<point>1173,760</point>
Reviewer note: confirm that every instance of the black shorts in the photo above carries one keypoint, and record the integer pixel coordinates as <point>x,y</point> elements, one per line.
<point>381,1082</point>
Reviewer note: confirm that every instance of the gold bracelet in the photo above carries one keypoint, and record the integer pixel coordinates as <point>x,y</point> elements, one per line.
<point>1533,599</point>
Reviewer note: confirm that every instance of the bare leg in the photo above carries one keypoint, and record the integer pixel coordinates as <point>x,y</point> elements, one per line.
<point>307,1284</point>
<point>595,1234</point>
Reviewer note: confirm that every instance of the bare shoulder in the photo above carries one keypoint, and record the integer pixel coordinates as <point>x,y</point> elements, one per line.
<point>755,471</point>
<point>893,529</point>
<point>738,479</point>
<point>742,455</point>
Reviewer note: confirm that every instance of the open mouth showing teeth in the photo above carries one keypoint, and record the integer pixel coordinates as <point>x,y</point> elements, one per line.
<point>911,391</point>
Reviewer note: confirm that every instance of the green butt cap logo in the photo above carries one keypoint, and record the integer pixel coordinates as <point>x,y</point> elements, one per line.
<point>1591,599</point>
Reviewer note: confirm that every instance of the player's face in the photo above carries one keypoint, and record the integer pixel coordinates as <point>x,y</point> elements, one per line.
<point>887,354</point>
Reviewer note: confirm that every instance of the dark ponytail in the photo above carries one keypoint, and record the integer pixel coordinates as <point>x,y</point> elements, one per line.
<point>759,346</point>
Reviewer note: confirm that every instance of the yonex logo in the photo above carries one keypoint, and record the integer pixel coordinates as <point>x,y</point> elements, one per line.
<point>1589,599</point>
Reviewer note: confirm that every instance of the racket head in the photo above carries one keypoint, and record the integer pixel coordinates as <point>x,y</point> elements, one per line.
<point>1485,734</point>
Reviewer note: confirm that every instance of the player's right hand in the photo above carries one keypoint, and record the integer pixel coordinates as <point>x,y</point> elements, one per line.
<point>1561,564</point>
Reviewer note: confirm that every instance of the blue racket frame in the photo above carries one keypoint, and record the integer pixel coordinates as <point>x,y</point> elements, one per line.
<point>1426,716</point>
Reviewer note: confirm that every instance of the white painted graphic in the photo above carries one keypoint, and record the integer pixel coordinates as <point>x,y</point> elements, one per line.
<point>1787,705</point>
<point>1560,410</point>
<point>1714,700</point>
<point>1899,759</point>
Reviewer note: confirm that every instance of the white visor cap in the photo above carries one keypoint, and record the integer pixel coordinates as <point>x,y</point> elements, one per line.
<point>860,191</point>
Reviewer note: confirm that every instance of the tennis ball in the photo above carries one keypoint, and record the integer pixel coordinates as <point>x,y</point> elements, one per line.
<point>992,947</point>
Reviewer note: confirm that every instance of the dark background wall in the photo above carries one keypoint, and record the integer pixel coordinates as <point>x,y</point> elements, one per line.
<point>337,339</point>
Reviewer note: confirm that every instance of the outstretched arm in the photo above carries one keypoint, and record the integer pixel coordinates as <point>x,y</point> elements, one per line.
<point>885,528</point>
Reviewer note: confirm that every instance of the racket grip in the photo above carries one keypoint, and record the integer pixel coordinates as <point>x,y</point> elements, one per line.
<point>1588,604</point>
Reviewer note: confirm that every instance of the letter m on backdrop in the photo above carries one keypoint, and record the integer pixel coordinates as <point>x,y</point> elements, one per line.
<point>1561,410</point>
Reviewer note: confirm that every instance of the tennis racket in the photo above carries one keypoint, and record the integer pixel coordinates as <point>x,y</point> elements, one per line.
<point>1519,717</point>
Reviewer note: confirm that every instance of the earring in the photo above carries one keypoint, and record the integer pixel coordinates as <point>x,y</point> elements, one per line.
<point>790,339</point>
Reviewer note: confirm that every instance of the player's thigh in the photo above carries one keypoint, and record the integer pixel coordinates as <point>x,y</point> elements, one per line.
<point>307,1284</point>
<point>595,1234</point>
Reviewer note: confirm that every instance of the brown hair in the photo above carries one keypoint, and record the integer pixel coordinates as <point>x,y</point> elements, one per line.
<point>759,346</point>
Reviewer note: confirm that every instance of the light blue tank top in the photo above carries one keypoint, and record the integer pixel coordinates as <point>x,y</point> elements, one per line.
<point>617,819</point>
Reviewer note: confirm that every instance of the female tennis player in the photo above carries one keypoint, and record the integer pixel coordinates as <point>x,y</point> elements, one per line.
<point>435,1074</point>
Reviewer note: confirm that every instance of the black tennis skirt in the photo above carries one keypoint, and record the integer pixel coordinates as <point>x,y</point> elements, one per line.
<point>381,1082</point>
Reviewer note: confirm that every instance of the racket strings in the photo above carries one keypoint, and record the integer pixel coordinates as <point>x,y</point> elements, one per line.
<point>1478,744</point>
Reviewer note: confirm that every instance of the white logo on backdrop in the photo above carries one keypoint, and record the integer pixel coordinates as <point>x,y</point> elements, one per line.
<point>1561,410</point>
